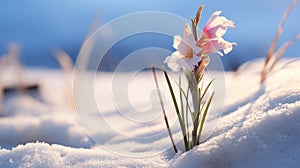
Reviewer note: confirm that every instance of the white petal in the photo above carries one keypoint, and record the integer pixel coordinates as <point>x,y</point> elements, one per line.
<point>229,47</point>
<point>225,45</point>
<point>185,46</point>
<point>221,21</point>
<point>220,31</point>
<point>192,62</point>
<point>187,30</point>
<point>172,61</point>
<point>196,48</point>
<point>176,41</point>
<point>213,17</point>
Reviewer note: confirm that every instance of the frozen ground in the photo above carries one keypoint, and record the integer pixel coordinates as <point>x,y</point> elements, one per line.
<point>259,126</point>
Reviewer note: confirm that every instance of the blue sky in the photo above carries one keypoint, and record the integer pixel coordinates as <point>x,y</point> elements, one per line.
<point>39,27</point>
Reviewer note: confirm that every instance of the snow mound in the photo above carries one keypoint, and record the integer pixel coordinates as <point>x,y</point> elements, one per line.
<point>259,128</point>
<point>260,125</point>
<point>45,155</point>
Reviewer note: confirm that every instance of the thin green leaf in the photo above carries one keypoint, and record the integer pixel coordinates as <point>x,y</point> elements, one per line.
<point>204,116</point>
<point>200,78</point>
<point>185,96</point>
<point>176,106</point>
<point>206,89</point>
<point>187,118</point>
<point>186,144</point>
<point>181,101</point>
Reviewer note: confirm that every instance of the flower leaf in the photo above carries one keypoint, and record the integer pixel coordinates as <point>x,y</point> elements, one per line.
<point>204,116</point>
<point>182,126</point>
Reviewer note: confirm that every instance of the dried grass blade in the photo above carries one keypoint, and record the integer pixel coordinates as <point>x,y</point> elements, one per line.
<point>279,31</point>
<point>282,50</point>
<point>163,109</point>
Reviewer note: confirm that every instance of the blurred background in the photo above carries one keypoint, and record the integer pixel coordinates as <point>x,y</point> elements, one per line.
<point>40,27</point>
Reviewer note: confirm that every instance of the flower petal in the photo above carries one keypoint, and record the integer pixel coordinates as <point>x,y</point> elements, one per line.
<point>217,44</point>
<point>186,45</point>
<point>213,17</point>
<point>228,47</point>
<point>176,41</point>
<point>191,63</point>
<point>172,61</point>
<point>187,30</point>
<point>209,47</point>
<point>217,25</point>
<point>186,55</point>
<point>221,21</point>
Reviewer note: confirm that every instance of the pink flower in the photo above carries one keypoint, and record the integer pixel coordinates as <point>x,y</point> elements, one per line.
<point>186,54</point>
<point>211,40</point>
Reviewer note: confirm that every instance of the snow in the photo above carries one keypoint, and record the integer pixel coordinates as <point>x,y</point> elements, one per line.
<point>261,131</point>
<point>259,126</point>
<point>44,155</point>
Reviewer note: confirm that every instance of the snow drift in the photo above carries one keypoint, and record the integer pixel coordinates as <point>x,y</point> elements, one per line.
<point>259,128</point>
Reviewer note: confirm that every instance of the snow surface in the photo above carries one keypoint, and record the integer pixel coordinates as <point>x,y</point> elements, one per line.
<point>259,126</point>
